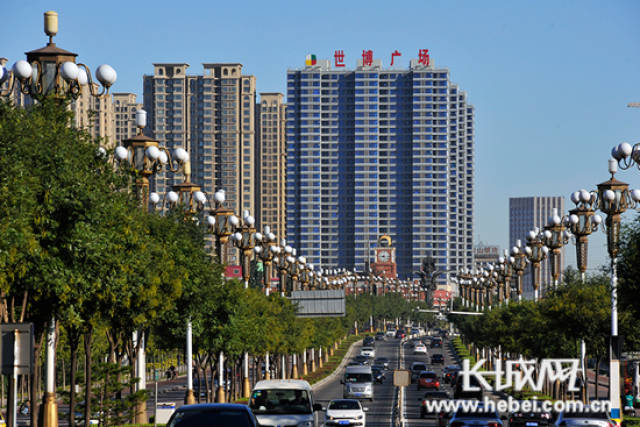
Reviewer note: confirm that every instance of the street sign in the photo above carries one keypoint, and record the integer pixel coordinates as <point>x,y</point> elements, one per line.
<point>401,378</point>
<point>16,348</point>
<point>329,303</point>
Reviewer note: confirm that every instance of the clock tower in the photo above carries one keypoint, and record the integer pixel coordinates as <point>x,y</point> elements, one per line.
<point>385,262</point>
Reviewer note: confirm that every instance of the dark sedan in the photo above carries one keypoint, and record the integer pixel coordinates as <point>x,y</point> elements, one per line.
<point>212,414</point>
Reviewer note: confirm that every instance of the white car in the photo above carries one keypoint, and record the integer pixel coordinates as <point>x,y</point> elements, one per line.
<point>368,351</point>
<point>391,332</point>
<point>420,349</point>
<point>342,412</point>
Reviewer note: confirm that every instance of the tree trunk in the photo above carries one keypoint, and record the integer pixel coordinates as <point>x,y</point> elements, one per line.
<point>87,375</point>
<point>34,384</point>
<point>73,346</point>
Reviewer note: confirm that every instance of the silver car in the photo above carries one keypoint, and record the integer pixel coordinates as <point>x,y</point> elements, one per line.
<point>584,419</point>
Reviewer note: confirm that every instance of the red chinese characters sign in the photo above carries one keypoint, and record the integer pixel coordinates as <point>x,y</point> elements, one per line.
<point>367,57</point>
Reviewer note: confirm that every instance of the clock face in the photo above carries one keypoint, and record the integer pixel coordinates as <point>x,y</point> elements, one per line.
<point>384,256</point>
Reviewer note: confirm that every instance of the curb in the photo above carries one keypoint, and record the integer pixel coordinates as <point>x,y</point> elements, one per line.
<point>342,364</point>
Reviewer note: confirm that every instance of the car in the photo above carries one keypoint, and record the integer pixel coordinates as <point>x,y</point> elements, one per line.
<point>358,383</point>
<point>380,336</point>
<point>280,402</point>
<point>368,351</point>
<point>415,331</point>
<point>378,374</point>
<point>431,396</point>
<point>585,418</point>
<point>481,416</point>
<point>437,359</point>
<point>420,348</point>
<point>400,334</point>
<point>345,412</point>
<point>391,332</point>
<point>535,417</point>
<point>383,361</point>
<point>429,380</point>
<point>361,359</point>
<point>369,342</point>
<point>436,343</point>
<point>416,368</point>
<point>449,373</point>
<point>208,414</point>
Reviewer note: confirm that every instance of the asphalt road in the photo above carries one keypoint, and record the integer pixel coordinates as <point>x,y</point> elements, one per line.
<point>379,413</point>
<point>413,397</point>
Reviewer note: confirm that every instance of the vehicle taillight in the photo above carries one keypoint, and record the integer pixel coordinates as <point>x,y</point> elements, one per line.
<point>613,425</point>
<point>494,425</point>
<point>437,383</point>
<point>424,403</point>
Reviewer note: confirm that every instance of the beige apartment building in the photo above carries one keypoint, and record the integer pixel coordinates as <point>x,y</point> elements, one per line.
<point>96,116</point>
<point>212,116</point>
<point>124,109</point>
<point>272,151</point>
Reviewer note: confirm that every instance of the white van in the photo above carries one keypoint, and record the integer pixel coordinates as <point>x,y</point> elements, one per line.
<point>358,383</point>
<point>283,403</point>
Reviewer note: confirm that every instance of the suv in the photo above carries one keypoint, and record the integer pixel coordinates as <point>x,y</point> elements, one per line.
<point>379,336</point>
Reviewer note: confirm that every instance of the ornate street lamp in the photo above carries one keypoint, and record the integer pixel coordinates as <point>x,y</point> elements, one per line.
<point>266,249</point>
<point>536,252</point>
<point>614,199</point>
<point>555,236</point>
<point>51,71</point>
<point>626,155</point>
<point>221,222</point>
<point>142,157</point>
<point>519,266</point>
<point>245,240</point>
<point>582,222</point>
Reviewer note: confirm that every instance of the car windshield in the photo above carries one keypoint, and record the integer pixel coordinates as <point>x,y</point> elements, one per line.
<point>280,401</point>
<point>420,367</point>
<point>427,375</point>
<point>367,348</point>
<point>352,377</point>
<point>382,360</point>
<point>344,404</point>
<point>210,418</point>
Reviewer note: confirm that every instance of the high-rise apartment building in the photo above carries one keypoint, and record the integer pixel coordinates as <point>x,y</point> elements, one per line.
<point>376,151</point>
<point>96,116</point>
<point>124,109</point>
<point>212,116</point>
<point>272,154</point>
<point>525,214</point>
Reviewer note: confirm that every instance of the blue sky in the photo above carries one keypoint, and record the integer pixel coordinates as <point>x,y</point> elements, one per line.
<point>550,80</point>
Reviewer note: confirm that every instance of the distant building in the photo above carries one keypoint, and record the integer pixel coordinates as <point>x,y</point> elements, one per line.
<point>272,154</point>
<point>380,151</point>
<point>212,116</point>
<point>525,214</point>
<point>124,109</point>
<point>483,254</point>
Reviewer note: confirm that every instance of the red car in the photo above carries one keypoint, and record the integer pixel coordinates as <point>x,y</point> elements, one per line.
<point>428,380</point>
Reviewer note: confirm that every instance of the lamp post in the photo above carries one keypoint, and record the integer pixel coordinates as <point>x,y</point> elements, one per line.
<point>582,222</point>
<point>143,157</point>
<point>536,252</point>
<point>189,196</point>
<point>613,199</point>
<point>555,237</point>
<point>52,71</point>
<point>245,240</point>
<point>626,155</point>
<point>266,249</point>
<point>519,265</point>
